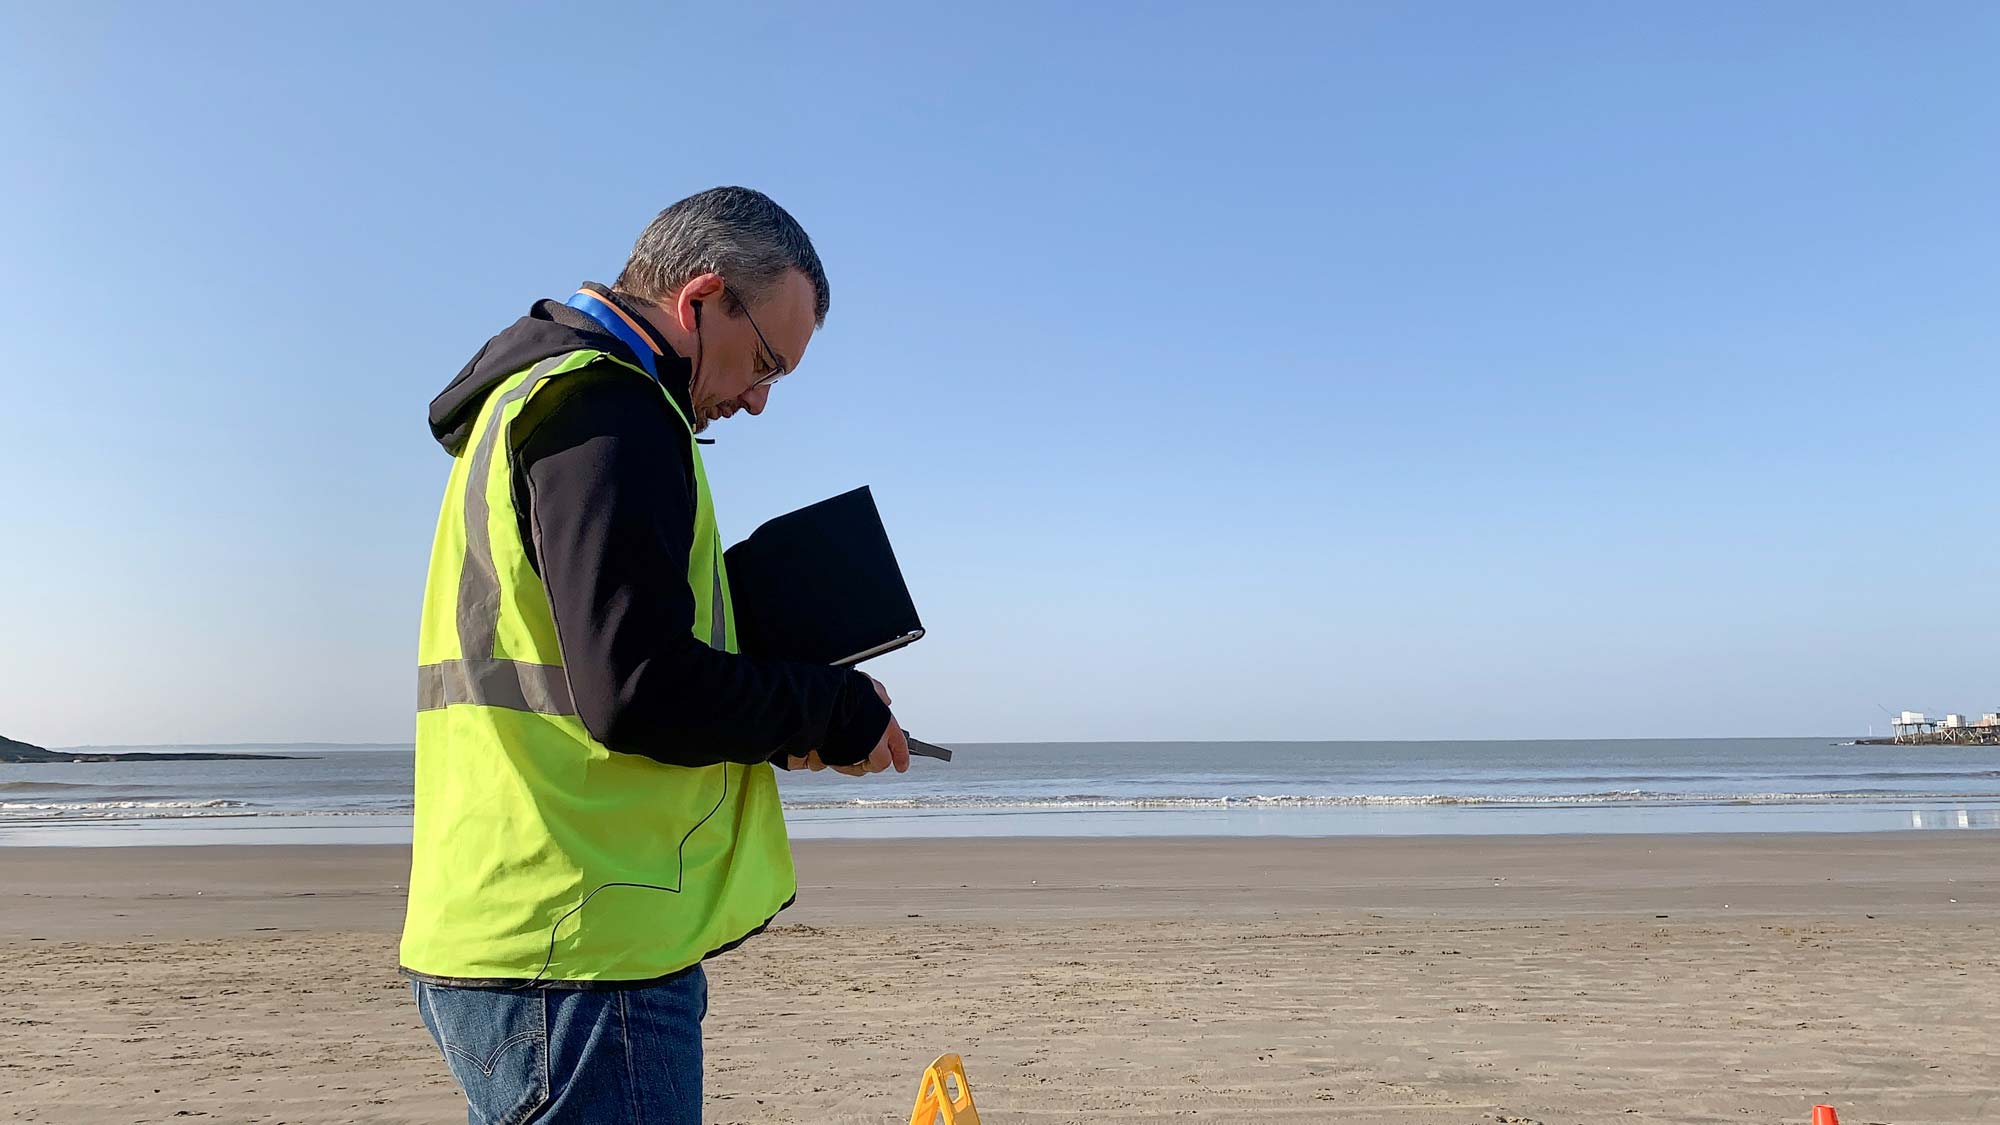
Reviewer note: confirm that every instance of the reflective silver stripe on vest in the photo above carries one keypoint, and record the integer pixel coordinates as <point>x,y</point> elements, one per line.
<point>513,684</point>
<point>480,678</point>
<point>718,625</point>
<point>479,579</point>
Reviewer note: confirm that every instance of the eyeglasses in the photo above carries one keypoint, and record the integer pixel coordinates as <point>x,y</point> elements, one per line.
<point>778,369</point>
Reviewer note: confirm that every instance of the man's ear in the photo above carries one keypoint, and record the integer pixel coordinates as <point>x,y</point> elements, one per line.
<point>705,287</point>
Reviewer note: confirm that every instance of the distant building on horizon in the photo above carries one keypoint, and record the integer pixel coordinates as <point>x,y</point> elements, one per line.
<point>1916,727</point>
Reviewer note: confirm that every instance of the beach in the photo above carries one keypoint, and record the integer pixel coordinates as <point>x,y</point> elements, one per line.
<point>1572,979</point>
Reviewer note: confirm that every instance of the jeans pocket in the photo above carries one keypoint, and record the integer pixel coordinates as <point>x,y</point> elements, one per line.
<point>496,1042</point>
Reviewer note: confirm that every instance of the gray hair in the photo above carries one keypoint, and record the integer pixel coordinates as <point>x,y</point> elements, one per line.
<point>732,231</point>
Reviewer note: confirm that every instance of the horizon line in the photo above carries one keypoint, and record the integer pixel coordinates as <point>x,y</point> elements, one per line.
<point>1032,742</point>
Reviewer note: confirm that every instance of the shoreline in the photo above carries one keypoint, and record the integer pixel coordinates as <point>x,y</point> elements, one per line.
<point>173,892</point>
<point>1350,823</point>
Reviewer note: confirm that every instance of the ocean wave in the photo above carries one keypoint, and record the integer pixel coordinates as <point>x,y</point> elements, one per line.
<point>133,804</point>
<point>26,786</point>
<point>1197,802</point>
<point>1900,775</point>
<point>1686,778</point>
<point>18,813</point>
<point>118,808</point>
<point>50,812</point>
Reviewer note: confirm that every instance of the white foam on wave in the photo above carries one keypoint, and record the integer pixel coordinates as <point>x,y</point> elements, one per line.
<point>1088,802</point>
<point>56,812</point>
<point>112,806</point>
<point>46,811</point>
<point>125,809</point>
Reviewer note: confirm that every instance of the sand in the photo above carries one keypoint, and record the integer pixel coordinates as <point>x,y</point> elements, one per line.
<point>1572,980</point>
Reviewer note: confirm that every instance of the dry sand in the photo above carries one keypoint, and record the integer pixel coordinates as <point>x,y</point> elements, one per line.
<point>1571,980</point>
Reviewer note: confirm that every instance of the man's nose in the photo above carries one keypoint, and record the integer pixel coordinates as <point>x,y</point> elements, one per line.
<point>755,398</point>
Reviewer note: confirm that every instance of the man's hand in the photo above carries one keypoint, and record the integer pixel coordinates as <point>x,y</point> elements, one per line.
<point>892,750</point>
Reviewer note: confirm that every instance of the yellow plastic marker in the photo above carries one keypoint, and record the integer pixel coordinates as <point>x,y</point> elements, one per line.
<point>936,1104</point>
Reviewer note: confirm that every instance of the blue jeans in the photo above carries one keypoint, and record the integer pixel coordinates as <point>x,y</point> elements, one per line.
<point>558,1055</point>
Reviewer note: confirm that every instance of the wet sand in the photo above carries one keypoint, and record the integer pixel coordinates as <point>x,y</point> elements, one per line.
<point>1439,980</point>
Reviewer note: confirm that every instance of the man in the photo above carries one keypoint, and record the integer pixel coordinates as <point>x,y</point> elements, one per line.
<point>596,811</point>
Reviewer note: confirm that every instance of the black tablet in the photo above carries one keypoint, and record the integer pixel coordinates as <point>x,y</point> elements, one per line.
<point>821,585</point>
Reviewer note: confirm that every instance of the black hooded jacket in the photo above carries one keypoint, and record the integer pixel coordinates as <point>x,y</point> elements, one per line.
<point>604,490</point>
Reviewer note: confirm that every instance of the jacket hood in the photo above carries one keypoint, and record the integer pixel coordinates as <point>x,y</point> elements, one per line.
<point>551,328</point>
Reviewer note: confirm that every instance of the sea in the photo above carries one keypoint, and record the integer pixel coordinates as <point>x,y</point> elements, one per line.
<point>362,794</point>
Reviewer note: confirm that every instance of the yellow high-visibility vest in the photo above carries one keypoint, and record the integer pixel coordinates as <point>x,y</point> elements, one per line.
<point>540,855</point>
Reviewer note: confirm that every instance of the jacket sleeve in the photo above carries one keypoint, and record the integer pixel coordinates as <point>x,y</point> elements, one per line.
<point>603,474</point>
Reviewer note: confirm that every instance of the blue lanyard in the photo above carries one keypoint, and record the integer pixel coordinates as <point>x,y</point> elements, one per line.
<point>595,307</point>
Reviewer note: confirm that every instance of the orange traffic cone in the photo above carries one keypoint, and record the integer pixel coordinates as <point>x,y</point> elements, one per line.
<point>1824,1115</point>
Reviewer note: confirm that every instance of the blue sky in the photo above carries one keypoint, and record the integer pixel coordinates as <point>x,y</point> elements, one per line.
<point>1428,370</point>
